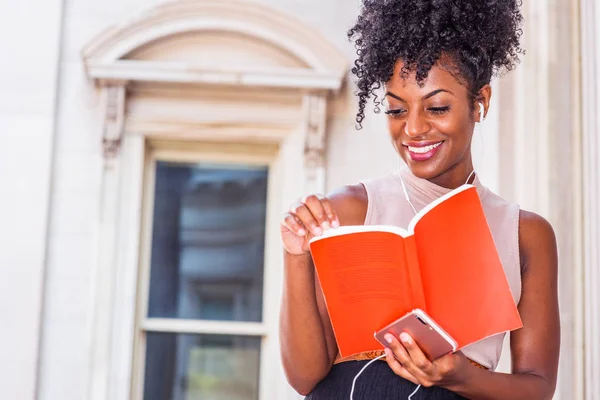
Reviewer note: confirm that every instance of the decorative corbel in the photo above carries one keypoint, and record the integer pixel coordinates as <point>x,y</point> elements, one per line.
<point>315,107</point>
<point>114,117</point>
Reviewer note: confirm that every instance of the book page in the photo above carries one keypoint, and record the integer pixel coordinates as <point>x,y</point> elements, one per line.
<point>350,229</point>
<point>367,283</point>
<point>466,290</point>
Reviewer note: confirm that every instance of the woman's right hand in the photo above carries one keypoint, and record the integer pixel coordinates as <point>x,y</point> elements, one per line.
<point>310,217</point>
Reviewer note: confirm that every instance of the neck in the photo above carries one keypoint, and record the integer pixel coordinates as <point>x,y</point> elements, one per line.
<point>455,176</point>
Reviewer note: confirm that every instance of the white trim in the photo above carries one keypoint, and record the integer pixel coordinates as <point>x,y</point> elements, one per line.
<point>183,131</point>
<point>204,327</point>
<point>218,153</point>
<point>125,294</point>
<point>143,272</point>
<point>590,31</point>
<point>105,56</point>
<point>177,72</point>
<point>272,281</point>
<point>103,295</point>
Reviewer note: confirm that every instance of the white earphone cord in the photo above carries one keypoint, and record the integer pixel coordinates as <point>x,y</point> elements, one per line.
<point>365,367</point>
<point>408,197</point>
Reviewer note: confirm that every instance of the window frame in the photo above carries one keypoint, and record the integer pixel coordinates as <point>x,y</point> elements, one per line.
<point>224,153</point>
<point>298,167</point>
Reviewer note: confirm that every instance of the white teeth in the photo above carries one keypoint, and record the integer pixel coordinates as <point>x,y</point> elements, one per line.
<point>423,150</point>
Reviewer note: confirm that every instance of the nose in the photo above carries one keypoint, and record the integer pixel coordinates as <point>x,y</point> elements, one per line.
<point>416,125</point>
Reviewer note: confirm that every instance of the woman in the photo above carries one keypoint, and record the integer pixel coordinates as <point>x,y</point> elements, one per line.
<point>435,60</point>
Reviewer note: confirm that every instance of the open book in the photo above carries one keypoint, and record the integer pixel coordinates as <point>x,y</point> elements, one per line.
<point>445,263</point>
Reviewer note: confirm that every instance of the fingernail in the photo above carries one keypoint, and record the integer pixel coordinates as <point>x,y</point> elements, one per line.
<point>317,231</point>
<point>388,351</point>
<point>389,338</point>
<point>405,338</point>
<point>335,224</point>
<point>301,232</point>
<point>325,226</point>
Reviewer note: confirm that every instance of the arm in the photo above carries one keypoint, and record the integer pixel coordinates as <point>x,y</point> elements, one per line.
<point>307,342</point>
<point>534,348</point>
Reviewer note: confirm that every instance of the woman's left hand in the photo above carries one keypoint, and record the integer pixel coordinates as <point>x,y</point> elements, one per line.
<point>407,360</point>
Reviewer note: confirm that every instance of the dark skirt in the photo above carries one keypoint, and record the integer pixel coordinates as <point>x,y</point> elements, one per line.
<point>377,382</point>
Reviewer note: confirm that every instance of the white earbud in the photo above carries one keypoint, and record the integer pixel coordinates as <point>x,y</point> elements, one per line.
<point>481,112</point>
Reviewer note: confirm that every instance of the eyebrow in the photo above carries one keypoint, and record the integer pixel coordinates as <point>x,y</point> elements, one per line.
<point>427,96</point>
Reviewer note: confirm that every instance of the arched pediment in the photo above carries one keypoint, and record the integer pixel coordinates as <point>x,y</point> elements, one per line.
<point>215,41</point>
<point>214,50</point>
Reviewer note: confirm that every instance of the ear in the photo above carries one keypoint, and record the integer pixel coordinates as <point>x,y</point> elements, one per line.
<point>483,98</point>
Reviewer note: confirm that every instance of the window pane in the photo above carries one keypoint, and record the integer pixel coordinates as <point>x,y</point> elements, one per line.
<point>208,242</point>
<point>201,367</point>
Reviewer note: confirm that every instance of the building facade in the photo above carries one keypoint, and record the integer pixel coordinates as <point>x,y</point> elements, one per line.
<point>148,150</point>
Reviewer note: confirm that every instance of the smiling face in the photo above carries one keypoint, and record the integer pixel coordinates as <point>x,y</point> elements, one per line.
<point>432,126</point>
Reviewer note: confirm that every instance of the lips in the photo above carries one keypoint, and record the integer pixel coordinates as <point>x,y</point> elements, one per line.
<point>422,151</point>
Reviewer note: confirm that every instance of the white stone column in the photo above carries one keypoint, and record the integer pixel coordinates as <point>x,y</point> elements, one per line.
<point>590,52</point>
<point>30,39</point>
<point>541,158</point>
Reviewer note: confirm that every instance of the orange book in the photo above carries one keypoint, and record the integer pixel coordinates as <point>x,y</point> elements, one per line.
<point>445,263</point>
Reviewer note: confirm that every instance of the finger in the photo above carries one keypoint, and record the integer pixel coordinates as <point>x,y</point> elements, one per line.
<point>416,354</point>
<point>331,214</point>
<point>404,357</point>
<point>314,204</point>
<point>302,212</point>
<point>399,351</point>
<point>293,223</point>
<point>398,368</point>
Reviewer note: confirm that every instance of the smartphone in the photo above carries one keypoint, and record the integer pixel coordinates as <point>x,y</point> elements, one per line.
<point>430,337</point>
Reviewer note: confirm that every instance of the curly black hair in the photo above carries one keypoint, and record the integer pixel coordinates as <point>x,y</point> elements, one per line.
<point>478,38</point>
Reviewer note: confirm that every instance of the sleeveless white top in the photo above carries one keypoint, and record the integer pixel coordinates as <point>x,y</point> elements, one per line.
<point>387,205</point>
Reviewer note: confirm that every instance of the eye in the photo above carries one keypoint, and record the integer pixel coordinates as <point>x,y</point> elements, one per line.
<point>438,110</point>
<point>396,112</point>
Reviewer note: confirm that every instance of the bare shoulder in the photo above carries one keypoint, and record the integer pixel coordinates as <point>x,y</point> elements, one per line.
<point>350,203</point>
<point>537,240</point>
